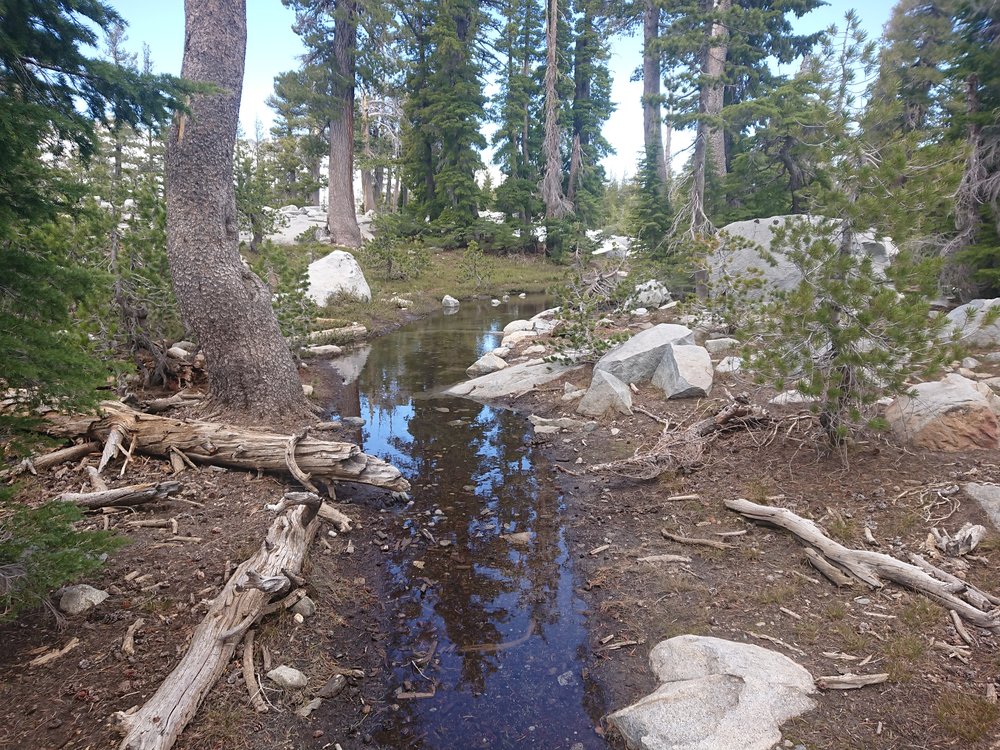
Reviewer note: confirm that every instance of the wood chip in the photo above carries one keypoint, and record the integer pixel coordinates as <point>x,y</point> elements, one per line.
<point>682,498</point>
<point>128,642</point>
<point>39,661</point>
<point>793,615</point>
<point>850,681</point>
<point>599,550</point>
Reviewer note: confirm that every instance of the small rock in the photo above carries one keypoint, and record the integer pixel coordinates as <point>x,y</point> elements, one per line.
<point>324,350</point>
<point>606,394</point>
<point>566,678</point>
<point>299,619</point>
<point>502,351</point>
<point>970,363</point>
<point>535,349</point>
<point>615,432</point>
<point>305,607</point>
<point>308,708</point>
<point>188,346</point>
<point>787,398</point>
<point>486,364</point>
<point>729,366</point>
<point>287,677</point>
<point>518,325</point>
<point>354,421</point>
<point>722,346</point>
<point>449,301</point>
<point>307,389</point>
<point>494,303</point>
<point>333,686</point>
<point>178,353</point>
<point>78,599</point>
<point>519,537</point>
<point>522,295</point>
<point>640,312</point>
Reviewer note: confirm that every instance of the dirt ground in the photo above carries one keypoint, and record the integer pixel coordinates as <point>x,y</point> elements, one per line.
<point>760,586</point>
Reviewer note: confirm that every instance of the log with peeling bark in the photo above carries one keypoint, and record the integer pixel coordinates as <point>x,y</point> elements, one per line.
<point>236,447</point>
<point>134,494</point>
<point>973,605</point>
<point>156,725</point>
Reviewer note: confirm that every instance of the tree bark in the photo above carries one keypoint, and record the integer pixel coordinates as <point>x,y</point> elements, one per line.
<point>342,218</point>
<point>222,302</point>
<point>652,120</point>
<point>556,204</point>
<point>710,137</point>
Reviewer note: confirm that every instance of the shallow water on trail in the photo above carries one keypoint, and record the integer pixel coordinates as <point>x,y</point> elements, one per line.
<point>489,640</point>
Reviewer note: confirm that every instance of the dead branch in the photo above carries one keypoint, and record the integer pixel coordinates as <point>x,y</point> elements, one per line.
<point>695,541</point>
<point>128,642</point>
<point>226,445</point>
<point>870,567</point>
<point>156,725</point>
<point>47,461</point>
<point>250,675</point>
<point>850,681</point>
<point>682,451</point>
<point>133,494</point>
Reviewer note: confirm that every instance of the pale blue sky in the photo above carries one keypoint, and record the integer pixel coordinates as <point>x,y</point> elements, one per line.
<point>272,47</point>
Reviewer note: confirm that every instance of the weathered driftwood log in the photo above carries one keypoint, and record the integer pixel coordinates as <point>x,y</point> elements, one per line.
<point>237,447</point>
<point>234,610</point>
<point>47,461</point>
<point>134,494</point>
<point>682,451</point>
<point>870,567</point>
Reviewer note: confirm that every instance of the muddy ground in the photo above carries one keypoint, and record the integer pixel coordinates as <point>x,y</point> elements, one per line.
<point>760,586</point>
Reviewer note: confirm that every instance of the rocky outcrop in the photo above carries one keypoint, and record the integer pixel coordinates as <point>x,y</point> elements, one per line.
<point>337,274</point>
<point>607,395</point>
<point>684,372</point>
<point>715,695</point>
<point>486,364</point>
<point>649,294</point>
<point>514,380</point>
<point>976,323</point>
<point>742,260</point>
<point>988,497</point>
<point>953,414</point>
<point>636,360</point>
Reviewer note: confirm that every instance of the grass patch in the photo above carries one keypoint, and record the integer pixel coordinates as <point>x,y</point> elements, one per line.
<point>920,613</point>
<point>902,654</point>
<point>836,611</point>
<point>779,594</point>
<point>854,642</point>
<point>966,717</point>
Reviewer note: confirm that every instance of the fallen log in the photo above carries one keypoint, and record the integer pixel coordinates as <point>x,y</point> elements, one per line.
<point>236,447</point>
<point>156,725</point>
<point>134,494</point>
<point>48,460</point>
<point>871,567</point>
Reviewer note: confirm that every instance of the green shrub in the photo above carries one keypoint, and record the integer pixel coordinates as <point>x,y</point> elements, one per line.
<point>41,550</point>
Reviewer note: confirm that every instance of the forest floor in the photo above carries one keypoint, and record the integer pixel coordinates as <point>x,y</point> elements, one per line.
<point>760,585</point>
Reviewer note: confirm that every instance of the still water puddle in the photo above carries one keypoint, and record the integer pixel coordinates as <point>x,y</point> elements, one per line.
<point>489,640</point>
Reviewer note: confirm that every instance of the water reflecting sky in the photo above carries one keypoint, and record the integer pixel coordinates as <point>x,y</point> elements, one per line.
<point>499,617</point>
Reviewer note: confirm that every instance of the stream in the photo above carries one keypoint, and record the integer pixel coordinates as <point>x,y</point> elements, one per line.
<point>489,644</point>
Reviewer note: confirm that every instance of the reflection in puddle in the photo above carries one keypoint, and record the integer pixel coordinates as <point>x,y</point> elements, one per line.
<point>489,640</point>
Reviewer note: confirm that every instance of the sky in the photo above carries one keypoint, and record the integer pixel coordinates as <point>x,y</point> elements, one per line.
<point>272,47</point>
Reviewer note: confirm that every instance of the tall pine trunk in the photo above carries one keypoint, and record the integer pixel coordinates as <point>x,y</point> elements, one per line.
<point>342,219</point>
<point>652,120</point>
<point>710,137</point>
<point>556,205</point>
<point>223,303</point>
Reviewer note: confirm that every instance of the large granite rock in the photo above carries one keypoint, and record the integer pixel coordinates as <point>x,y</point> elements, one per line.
<point>519,325</point>
<point>337,274</point>
<point>607,395</point>
<point>744,262</point>
<point>636,360</point>
<point>953,414</point>
<point>715,695</point>
<point>974,324</point>
<point>486,364</point>
<point>514,380</point>
<point>988,497</point>
<point>649,294</point>
<point>684,372</point>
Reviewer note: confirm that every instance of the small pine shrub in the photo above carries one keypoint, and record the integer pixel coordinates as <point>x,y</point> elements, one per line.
<point>41,550</point>
<point>477,267</point>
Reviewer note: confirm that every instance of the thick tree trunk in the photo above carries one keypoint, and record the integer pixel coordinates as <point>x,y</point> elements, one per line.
<point>342,219</point>
<point>556,205</point>
<point>710,136</point>
<point>715,66</point>
<point>652,120</point>
<point>223,303</point>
